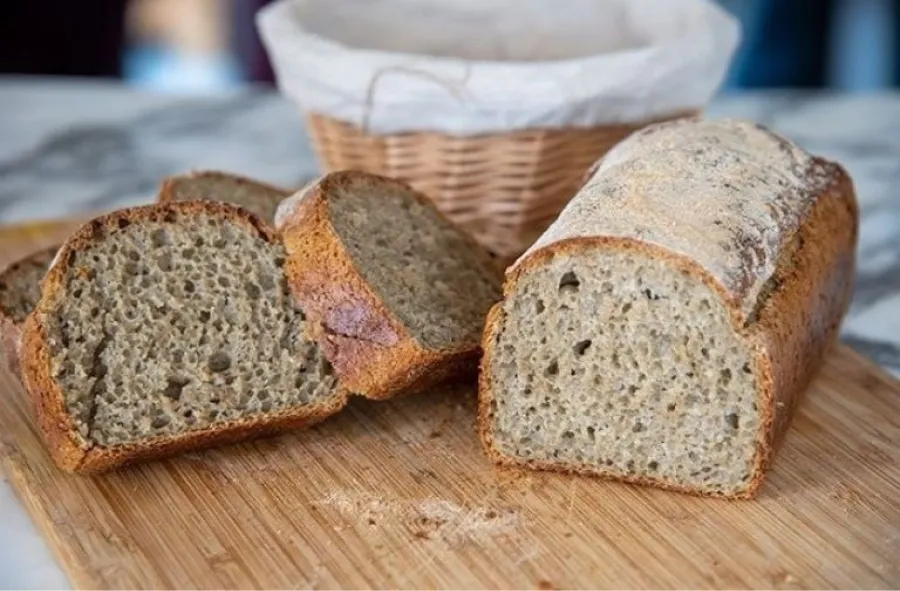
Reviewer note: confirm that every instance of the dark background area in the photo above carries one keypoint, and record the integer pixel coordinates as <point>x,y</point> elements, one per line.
<point>201,45</point>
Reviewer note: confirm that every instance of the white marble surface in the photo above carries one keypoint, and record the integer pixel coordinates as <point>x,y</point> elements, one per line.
<point>70,147</point>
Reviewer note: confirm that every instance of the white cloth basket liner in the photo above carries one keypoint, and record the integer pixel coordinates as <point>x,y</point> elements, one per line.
<point>469,67</point>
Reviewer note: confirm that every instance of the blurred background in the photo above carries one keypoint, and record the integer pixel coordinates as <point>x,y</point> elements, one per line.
<point>207,45</point>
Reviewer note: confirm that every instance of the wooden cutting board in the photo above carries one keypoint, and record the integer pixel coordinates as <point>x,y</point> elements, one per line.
<point>399,495</point>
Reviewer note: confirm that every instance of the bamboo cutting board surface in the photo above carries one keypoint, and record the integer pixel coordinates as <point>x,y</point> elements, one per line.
<point>399,495</point>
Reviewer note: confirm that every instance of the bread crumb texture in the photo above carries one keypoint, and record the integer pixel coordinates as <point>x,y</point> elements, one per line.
<point>424,269</point>
<point>164,326</point>
<point>614,360</point>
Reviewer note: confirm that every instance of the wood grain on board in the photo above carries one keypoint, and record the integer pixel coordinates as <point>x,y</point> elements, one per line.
<point>399,495</point>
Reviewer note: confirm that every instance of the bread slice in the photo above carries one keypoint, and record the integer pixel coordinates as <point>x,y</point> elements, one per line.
<point>664,327</point>
<point>399,293</point>
<point>254,196</point>
<point>20,290</point>
<point>166,328</point>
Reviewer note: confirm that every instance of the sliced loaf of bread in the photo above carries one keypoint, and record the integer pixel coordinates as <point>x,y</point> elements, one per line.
<point>206,185</point>
<point>166,328</point>
<point>398,293</point>
<point>20,290</point>
<point>664,327</point>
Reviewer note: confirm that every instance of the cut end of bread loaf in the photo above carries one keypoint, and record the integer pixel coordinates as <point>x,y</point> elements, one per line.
<point>254,196</point>
<point>20,290</point>
<point>165,326</point>
<point>616,362</point>
<point>20,284</point>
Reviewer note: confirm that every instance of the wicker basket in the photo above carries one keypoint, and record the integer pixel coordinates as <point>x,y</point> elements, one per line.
<point>505,189</point>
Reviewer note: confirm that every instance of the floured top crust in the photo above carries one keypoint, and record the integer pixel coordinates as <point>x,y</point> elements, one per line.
<point>727,193</point>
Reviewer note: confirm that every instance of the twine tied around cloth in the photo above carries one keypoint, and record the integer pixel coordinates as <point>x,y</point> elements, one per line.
<point>456,89</point>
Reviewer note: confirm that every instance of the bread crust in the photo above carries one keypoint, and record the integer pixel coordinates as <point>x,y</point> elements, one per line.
<point>373,353</point>
<point>67,448</point>
<point>796,323</point>
<point>10,330</point>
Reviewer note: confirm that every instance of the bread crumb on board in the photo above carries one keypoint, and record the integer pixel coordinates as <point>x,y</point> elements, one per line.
<point>426,519</point>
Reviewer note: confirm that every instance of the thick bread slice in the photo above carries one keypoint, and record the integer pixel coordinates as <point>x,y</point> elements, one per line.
<point>20,290</point>
<point>167,328</point>
<point>207,185</point>
<point>663,329</point>
<point>399,293</point>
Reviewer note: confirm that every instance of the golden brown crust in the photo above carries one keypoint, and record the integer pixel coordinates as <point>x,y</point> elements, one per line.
<point>10,330</point>
<point>799,322</point>
<point>794,328</point>
<point>70,452</point>
<point>372,352</point>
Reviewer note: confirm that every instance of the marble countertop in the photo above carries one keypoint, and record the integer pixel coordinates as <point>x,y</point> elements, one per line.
<point>70,147</point>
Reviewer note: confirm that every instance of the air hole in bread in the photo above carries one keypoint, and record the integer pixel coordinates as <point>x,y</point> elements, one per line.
<point>724,377</point>
<point>164,262</point>
<point>174,388</point>
<point>219,362</point>
<point>733,421</point>
<point>266,282</point>
<point>569,282</point>
<point>160,238</point>
<point>552,369</point>
<point>581,347</point>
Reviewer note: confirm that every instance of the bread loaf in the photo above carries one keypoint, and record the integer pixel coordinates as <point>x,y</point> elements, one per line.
<point>166,328</point>
<point>20,290</point>
<point>399,293</point>
<point>664,327</point>
<point>256,197</point>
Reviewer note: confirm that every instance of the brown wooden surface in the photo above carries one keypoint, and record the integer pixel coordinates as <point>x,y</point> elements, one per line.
<point>399,494</point>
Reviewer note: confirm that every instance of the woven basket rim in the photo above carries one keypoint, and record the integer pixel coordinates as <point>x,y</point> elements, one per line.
<point>575,129</point>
